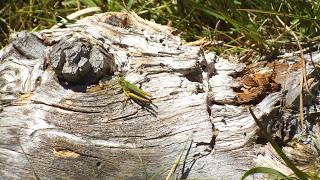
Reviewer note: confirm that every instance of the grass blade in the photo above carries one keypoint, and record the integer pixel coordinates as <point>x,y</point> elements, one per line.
<point>264,170</point>
<point>177,161</point>
<point>300,174</point>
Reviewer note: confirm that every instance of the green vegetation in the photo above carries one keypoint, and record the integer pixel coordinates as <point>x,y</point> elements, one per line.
<point>257,24</point>
<point>241,25</point>
<point>18,15</point>
<point>278,175</point>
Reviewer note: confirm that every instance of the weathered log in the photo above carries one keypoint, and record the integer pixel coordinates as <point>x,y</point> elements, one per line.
<point>58,122</point>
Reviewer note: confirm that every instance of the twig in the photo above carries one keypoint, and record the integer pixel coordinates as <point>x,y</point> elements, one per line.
<point>303,78</point>
<point>75,15</point>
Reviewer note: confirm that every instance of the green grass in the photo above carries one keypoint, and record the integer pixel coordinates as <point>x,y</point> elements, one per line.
<point>278,175</point>
<point>18,15</point>
<point>242,25</point>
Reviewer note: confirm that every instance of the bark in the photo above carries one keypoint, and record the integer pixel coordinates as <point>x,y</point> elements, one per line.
<point>64,115</point>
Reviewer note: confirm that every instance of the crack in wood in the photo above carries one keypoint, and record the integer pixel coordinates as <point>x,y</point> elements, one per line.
<point>68,108</point>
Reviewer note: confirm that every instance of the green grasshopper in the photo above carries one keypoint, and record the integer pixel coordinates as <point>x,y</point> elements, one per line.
<point>134,92</point>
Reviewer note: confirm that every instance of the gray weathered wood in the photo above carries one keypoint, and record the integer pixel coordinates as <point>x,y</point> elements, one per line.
<point>68,131</point>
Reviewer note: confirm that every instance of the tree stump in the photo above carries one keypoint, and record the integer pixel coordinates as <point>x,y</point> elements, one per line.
<point>64,115</point>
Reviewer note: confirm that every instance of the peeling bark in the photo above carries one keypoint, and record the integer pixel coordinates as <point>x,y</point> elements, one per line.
<point>56,110</point>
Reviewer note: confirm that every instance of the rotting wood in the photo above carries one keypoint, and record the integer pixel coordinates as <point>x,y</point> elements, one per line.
<point>68,131</point>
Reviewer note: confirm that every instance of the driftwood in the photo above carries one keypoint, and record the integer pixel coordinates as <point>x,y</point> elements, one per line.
<point>64,115</point>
